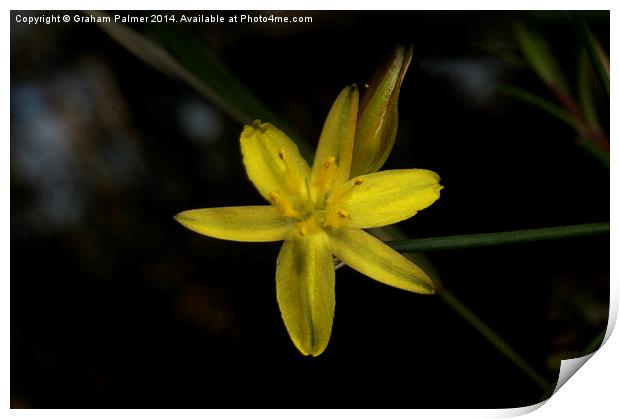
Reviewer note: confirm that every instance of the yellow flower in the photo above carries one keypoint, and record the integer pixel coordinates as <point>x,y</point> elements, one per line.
<point>320,211</point>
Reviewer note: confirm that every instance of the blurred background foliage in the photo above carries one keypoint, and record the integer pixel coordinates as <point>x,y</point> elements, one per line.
<point>115,305</point>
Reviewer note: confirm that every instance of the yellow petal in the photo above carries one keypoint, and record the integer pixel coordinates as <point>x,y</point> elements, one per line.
<point>305,290</point>
<point>370,256</point>
<point>336,141</point>
<point>246,224</point>
<point>389,196</point>
<point>273,162</point>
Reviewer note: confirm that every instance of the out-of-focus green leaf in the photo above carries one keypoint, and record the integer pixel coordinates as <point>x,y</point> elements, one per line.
<point>594,51</point>
<point>541,58</point>
<point>503,52</point>
<point>182,56</point>
<point>603,57</point>
<point>541,103</point>
<point>595,149</point>
<point>584,91</point>
<point>378,114</point>
<point>198,58</point>
<point>584,140</point>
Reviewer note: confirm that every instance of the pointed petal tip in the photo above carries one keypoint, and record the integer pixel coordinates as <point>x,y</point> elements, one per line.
<point>431,287</point>
<point>352,88</point>
<point>183,217</point>
<point>426,285</point>
<point>311,352</point>
<point>309,349</point>
<point>314,354</point>
<point>257,124</point>
<point>353,93</point>
<point>301,350</point>
<point>423,285</point>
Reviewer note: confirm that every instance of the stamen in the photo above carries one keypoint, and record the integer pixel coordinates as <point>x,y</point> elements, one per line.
<point>291,181</point>
<point>283,205</point>
<point>328,162</point>
<point>335,218</point>
<point>307,227</point>
<point>344,192</point>
<point>325,174</point>
<point>275,198</point>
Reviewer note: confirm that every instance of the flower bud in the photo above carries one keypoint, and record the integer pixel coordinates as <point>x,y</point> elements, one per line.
<point>378,114</point>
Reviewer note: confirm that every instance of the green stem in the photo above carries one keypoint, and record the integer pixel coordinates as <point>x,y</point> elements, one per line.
<point>584,34</point>
<point>493,338</point>
<point>499,238</point>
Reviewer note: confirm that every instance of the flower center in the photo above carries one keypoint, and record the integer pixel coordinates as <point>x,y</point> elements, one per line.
<point>336,215</point>
<point>316,203</point>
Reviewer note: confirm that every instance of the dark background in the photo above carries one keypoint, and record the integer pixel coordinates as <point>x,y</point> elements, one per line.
<point>113,304</point>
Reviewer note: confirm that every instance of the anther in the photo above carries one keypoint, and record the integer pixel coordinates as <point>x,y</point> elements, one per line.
<point>342,213</point>
<point>303,231</point>
<point>283,205</point>
<point>275,197</point>
<point>325,174</point>
<point>329,161</point>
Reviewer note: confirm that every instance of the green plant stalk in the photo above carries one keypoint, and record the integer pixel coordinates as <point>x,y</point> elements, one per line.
<point>584,34</point>
<point>500,344</point>
<point>498,238</point>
